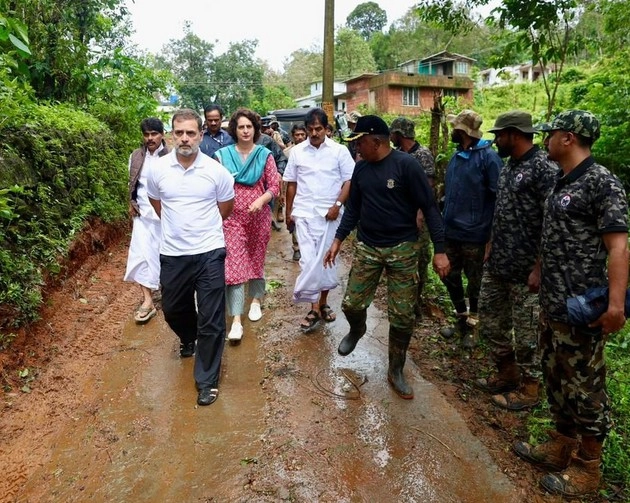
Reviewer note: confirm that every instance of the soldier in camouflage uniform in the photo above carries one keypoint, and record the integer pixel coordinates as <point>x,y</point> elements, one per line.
<point>508,301</point>
<point>387,189</point>
<point>403,137</point>
<point>585,227</point>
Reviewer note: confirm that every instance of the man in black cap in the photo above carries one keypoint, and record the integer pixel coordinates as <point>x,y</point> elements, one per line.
<point>387,189</point>
<point>508,301</point>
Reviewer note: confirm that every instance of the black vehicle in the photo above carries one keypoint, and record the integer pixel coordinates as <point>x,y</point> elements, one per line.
<point>289,116</point>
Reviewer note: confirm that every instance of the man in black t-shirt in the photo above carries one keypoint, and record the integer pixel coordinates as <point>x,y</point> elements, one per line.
<point>387,189</point>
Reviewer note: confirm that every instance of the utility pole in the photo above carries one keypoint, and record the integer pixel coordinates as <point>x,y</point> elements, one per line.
<point>328,73</point>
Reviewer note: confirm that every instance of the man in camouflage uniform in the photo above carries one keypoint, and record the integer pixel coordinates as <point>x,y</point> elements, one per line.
<point>508,301</point>
<point>470,187</point>
<point>403,137</point>
<point>585,227</point>
<point>386,190</point>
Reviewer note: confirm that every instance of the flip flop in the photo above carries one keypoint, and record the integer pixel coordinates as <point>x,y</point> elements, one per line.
<point>328,314</point>
<point>144,314</point>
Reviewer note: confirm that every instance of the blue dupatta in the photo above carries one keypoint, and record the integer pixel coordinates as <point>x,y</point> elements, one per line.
<point>247,173</point>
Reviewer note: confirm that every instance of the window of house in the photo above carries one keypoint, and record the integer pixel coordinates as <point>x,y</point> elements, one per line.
<point>450,92</point>
<point>461,67</point>
<point>410,96</point>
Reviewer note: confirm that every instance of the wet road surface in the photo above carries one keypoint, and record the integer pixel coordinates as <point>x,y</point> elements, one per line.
<point>294,422</point>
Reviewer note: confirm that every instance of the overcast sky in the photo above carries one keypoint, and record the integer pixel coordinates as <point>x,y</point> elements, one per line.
<point>280,26</point>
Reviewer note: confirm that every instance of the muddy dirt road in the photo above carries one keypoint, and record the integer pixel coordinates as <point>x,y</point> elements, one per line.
<point>106,411</point>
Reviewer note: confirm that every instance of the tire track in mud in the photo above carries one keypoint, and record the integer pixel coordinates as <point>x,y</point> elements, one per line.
<point>81,329</point>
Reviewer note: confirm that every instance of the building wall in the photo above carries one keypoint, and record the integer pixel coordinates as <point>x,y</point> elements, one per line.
<point>388,98</point>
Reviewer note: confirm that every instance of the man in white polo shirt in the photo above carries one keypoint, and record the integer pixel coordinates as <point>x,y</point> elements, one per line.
<point>318,174</point>
<point>192,194</point>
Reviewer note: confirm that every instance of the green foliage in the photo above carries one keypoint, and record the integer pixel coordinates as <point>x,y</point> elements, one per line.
<point>237,77</point>
<point>617,448</point>
<point>367,19</point>
<point>616,15</point>
<point>352,55</point>
<point>70,172</point>
<point>63,35</point>
<point>14,46</point>
<point>232,79</point>
<point>124,93</point>
<point>190,60</point>
<point>417,36</point>
<point>303,67</point>
<point>275,97</point>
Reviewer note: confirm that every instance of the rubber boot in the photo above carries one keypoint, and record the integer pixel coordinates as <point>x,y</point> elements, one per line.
<point>526,397</point>
<point>358,327</point>
<point>398,344</point>
<point>583,474</point>
<point>554,454</point>
<point>507,378</point>
<point>461,327</point>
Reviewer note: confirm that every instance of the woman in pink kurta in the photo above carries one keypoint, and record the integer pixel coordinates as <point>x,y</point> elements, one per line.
<point>248,230</point>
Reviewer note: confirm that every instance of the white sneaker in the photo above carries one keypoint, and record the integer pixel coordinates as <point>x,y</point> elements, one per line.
<point>236,332</point>
<point>254,312</point>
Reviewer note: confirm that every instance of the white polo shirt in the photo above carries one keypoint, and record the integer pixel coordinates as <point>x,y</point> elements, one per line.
<point>191,222</point>
<point>319,173</point>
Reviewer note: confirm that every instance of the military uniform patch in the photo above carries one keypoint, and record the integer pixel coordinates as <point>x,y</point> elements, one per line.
<point>391,184</point>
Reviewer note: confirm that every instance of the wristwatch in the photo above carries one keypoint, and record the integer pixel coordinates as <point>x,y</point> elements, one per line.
<point>339,204</point>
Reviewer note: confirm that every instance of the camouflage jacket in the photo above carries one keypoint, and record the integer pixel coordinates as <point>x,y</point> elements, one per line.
<point>522,188</point>
<point>583,205</point>
<point>425,158</point>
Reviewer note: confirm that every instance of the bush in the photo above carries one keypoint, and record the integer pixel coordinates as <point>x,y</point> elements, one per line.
<point>59,167</point>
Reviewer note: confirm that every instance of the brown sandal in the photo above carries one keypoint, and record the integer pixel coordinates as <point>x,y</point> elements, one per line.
<point>327,313</point>
<point>310,320</point>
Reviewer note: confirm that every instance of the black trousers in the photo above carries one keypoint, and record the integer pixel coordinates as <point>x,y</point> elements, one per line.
<point>181,278</point>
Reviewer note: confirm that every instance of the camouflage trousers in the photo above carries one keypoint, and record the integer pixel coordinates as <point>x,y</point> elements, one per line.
<point>400,264</point>
<point>424,258</point>
<point>508,320</point>
<point>466,257</point>
<point>574,372</point>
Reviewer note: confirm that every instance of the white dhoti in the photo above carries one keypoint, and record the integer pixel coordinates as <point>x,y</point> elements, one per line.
<point>314,235</point>
<point>143,261</point>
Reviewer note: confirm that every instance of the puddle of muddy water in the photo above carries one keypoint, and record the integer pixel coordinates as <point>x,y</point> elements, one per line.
<point>147,440</point>
<point>337,430</point>
<point>364,443</point>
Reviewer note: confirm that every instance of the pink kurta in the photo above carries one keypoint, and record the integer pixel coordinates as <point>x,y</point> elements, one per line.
<point>247,234</point>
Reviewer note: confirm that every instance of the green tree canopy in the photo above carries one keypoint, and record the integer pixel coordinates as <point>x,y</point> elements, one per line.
<point>65,37</point>
<point>543,31</point>
<point>367,19</point>
<point>303,67</point>
<point>237,77</point>
<point>352,54</point>
<point>191,60</point>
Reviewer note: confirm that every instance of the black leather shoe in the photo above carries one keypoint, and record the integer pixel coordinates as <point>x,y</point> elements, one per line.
<point>187,350</point>
<point>207,396</point>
